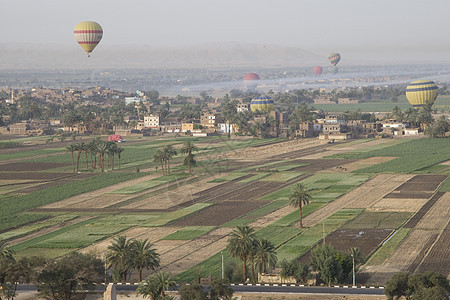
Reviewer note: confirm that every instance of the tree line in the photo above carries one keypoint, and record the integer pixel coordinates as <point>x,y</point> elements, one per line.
<point>95,150</point>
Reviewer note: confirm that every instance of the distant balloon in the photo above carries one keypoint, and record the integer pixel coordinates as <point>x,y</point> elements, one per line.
<point>88,34</point>
<point>334,58</point>
<point>251,81</point>
<point>251,76</point>
<point>333,70</point>
<point>262,104</point>
<point>421,92</point>
<point>317,70</point>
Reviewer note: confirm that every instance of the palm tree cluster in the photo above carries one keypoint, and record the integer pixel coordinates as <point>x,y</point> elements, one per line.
<point>261,253</point>
<point>124,255</point>
<point>96,149</point>
<point>163,156</point>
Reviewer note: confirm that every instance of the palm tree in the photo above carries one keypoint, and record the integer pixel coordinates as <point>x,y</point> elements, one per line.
<point>155,286</point>
<point>188,148</point>
<point>144,256</point>
<point>240,245</point>
<point>112,150</point>
<point>118,255</point>
<point>165,281</point>
<point>79,147</point>
<point>158,156</point>
<point>71,148</point>
<point>169,152</point>
<point>102,148</point>
<point>119,150</point>
<point>298,198</point>
<point>5,253</point>
<point>265,255</point>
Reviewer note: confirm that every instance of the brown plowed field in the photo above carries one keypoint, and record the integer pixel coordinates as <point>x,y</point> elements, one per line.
<point>345,239</point>
<point>423,210</point>
<point>221,213</point>
<point>30,166</point>
<point>437,259</point>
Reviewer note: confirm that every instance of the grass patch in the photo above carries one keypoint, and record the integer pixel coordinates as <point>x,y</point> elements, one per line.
<point>311,236</point>
<point>379,220</point>
<point>445,187</point>
<point>412,155</point>
<point>278,235</point>
<point>46,253</point>
<point>139,187</point>
<point>15,205</point>
<point>229,177</point>
<point>189,233</point>
<point>27,229</point>
<point>294,216</point>
<point>282,176</point>
<point>388,247</point>
<point>255,177</point>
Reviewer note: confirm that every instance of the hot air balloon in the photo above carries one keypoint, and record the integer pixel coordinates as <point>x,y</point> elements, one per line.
<point>262,103</point>
<point>88,34</point>
<point>421,92</point>
<point>333,70</point>
<point>334,58</point>
<point>317,70</point>
<point>251,81</point>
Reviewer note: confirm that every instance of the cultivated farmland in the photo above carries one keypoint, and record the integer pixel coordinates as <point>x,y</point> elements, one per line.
<point>386,197</point>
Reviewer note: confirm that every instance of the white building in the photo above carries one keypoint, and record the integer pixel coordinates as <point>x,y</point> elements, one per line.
<point>151,121</point>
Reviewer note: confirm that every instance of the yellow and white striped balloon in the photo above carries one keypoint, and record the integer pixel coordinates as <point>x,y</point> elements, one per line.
<point>88,34</point>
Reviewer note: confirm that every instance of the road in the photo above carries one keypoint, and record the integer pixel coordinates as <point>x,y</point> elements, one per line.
<point>257,289</point>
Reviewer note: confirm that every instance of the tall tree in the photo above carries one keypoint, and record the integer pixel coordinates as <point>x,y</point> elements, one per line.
<point>119,255</point>
<point>59,279</point>
<point>299,197</point>
<point>265,255</point>
<point>240,245</point>
<point>187,148</point>
<point>143,256</point>
<point>5,253</point>
<point>158,157</point>
<point>169,152</point>
<point>323,259</point>
<point>119,151</point>
<point>72,148</point>
<point>220,290</point>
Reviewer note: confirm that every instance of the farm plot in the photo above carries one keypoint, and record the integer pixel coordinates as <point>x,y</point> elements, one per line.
<point>360,197</point>
<point>302,243</point>
<point>365,239</point>
<point>188,254</point>
<point>29,166</point>
<point>437,260</point>
<point>315,165</point>
<point>378,220</point>
<point>405,258</point>
<point>220,213</point>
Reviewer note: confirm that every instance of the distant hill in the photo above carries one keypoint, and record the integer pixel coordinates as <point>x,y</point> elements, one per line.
<point>222,55</point>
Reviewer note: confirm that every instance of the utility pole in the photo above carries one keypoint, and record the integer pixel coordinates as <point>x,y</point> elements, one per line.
<point>323,232</point>
<point>221,252</point>
<point>353,260</point>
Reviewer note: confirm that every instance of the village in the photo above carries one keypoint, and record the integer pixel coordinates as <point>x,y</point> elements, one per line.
<point>147,113</point>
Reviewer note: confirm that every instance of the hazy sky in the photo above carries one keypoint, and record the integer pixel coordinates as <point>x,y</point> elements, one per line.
<point>319,26</point>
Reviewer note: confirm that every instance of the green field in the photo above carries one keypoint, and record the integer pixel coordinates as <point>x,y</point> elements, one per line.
<point>57,232</point>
